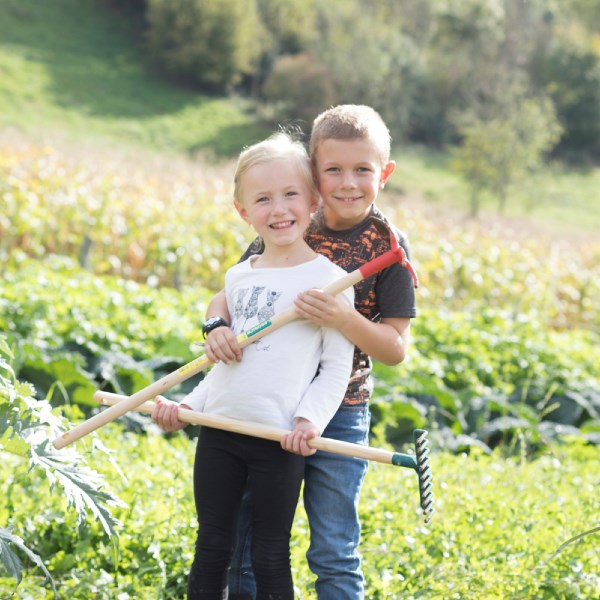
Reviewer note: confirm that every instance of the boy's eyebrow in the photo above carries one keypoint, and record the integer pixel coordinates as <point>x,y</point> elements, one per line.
<point>334,163</point>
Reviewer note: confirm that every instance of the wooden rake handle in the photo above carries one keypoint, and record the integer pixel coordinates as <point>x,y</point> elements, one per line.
<point>269,433</point>
<point>244,339</point>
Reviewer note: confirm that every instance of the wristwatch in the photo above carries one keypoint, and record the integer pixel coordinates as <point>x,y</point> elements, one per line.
<point>212,323</point>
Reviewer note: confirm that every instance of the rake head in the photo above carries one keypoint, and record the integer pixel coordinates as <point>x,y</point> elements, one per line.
<point>423,469</point>
<point>420,463</point>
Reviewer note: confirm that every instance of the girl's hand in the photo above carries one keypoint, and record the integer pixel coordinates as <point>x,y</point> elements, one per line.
<point>221,345</point>
<point>165,416</point>
<point>297,440</point>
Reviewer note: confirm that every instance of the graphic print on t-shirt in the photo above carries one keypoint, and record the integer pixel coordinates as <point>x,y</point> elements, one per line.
<point>258,308</point>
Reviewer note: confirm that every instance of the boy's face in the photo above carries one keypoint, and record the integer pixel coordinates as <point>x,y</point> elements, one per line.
<point>349,175</point>
<point>277,201</point>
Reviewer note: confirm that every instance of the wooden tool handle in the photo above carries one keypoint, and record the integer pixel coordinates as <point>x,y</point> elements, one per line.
<point>255,429</point>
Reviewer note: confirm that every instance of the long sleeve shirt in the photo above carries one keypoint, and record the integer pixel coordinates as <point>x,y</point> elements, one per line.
<point>298,370</point>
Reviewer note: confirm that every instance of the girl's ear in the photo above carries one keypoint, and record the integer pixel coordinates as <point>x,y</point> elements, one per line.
<point>386,173</point>
<point>241,211</point>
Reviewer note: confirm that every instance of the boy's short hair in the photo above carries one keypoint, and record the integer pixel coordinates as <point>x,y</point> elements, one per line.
<point>279,146</point>
<point>351,122</point>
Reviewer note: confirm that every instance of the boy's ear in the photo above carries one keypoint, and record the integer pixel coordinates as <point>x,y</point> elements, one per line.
<point>386,172</point>
<point>241,211</point>
<point>314,203</point>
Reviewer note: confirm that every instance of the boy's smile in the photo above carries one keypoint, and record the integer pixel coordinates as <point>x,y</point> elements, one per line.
<point>349,176</point>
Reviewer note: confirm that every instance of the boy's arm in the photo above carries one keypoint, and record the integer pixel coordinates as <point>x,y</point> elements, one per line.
<point>221,344</point>
<point>386,341</point>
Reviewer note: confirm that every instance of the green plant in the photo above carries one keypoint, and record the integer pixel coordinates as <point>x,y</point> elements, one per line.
<point>497,523</point>
<point>26,427</point>
<point>486,378</point>
<point>212,43</point>
<point>68,341</point>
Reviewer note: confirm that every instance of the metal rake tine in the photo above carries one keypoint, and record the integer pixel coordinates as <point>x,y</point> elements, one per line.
<point>424,473</point>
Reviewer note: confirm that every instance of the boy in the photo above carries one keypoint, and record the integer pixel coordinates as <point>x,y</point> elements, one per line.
<point>350,155</point>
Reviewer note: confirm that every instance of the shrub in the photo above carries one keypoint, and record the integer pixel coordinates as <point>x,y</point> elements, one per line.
<point>299,86</point>
<point>210,42</point>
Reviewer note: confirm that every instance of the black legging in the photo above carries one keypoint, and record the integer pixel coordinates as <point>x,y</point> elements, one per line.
<point>224,462</point>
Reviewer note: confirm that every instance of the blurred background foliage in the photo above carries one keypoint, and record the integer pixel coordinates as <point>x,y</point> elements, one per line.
<point>119,121</point>
<point>420,63</point>
<point>417,62</point>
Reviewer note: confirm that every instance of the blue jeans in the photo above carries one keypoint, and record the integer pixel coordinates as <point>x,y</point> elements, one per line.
<point>332,485</point>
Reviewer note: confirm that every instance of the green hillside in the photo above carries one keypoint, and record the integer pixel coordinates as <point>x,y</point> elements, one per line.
<point>74,69</point>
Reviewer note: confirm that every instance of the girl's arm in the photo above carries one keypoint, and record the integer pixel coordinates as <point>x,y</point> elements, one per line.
<point>221,344</point>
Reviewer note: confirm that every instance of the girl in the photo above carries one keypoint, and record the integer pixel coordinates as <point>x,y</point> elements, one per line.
<point>293,378</point>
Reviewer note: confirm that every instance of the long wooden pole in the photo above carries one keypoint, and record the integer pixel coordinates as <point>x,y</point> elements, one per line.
<point>269,433</point>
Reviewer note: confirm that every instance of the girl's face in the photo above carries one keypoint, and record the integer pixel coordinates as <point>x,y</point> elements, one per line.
<point>277,201</point>
<point>349,176</point>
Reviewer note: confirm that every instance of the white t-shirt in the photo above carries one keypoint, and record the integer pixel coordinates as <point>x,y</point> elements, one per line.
<point>276,380</point>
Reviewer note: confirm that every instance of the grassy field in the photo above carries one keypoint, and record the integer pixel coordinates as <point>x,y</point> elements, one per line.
<point>73,73</point>
<point>74,70</point>
<point>561,200</point>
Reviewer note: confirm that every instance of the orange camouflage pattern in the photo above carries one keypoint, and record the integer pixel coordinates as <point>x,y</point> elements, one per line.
<point>351,252</point>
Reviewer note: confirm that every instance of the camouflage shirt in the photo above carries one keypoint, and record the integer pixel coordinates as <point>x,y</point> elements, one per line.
<point>387,294</point>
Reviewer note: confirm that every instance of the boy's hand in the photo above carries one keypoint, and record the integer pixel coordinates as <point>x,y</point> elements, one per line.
<point>164,414</point>
<point>221,345</point>
<point>297,440</point>
<point>323,309</point>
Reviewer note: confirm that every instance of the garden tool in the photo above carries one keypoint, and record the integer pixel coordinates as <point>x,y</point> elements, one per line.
<point>419,462</point>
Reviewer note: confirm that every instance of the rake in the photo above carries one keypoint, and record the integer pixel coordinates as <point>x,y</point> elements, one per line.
<point>419,462</point>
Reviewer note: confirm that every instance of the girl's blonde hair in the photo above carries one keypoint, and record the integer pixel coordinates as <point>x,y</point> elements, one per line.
<point>279,146</point>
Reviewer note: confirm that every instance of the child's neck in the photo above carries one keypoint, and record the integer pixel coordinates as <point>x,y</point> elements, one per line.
<point>337,223</point>
<point>284,256</point>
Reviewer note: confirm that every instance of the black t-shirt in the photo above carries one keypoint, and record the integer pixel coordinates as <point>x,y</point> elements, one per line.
<point>387,294</point>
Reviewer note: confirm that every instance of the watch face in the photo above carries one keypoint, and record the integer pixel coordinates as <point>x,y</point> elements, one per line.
<point>212,323</point>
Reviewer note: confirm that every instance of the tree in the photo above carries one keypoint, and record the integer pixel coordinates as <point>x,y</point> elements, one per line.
<point>371,60</point>
<point>299,86</point>
<point>290,23</point>
<point>570,75</point>
<point>503,144</point>
<point>210,42</point>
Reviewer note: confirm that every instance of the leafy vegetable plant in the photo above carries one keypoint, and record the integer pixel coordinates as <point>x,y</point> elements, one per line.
<point>26,427</point>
